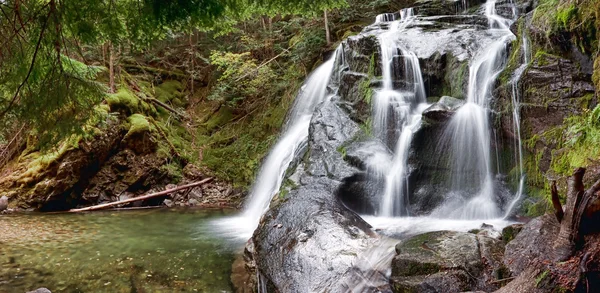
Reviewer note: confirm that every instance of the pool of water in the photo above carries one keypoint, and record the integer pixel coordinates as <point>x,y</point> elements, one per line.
<point>156,250</point>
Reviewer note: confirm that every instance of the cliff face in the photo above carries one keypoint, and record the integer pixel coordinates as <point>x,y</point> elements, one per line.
<point>556,47</point>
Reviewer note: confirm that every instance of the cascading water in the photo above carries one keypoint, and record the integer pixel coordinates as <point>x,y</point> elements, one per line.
<point>468,133</point>
<point>272,172</point>
<point>516,112</point>
<point>404,106</point>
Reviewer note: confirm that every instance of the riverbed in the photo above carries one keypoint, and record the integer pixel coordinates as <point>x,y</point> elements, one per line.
<point>157,250</point>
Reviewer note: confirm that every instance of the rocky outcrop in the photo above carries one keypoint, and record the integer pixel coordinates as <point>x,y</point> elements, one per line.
<point>115,164</point>
<point>446,261</point>
<point>443,109</point>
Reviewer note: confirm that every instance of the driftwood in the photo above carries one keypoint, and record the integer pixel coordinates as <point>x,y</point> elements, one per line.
<point>580,206</point>
<point>152,195</point>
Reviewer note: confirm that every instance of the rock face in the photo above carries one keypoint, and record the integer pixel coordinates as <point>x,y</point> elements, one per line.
<point>108,167</point>
<point>533,243</point>
<point>447,261</point>
<point>311,240</point>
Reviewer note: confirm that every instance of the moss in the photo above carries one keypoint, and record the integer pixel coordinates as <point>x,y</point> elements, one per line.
<point>540,278</point>
<point>124,100</point>
<point>170,92</point>
<point>220,118</point>
<point>39,161</point>
<point>596,75</point>
<point>509,233</point>
<point>173,170</point>
<point>234,146</point>
<point>138,123</point>
<point>564,15</point>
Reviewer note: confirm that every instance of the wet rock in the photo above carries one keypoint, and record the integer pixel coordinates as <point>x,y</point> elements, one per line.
<point>510,232</point>
<point>532,244</point>
<point>446,261</point>
<point>3,203</point>
<point>361,192</point>
<point>443,109</point>
<point>432,7</point>
<point>169,203</point>
<point>330,128</point>
<point>296,257</point>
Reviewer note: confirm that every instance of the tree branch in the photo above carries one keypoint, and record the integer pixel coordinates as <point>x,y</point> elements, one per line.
<point>33,59</point>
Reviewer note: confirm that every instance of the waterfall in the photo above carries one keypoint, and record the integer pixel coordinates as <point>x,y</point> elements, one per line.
<point>516,113</point>
<point>295,134</point>
<point>397,113</point>
<point>468,134</point>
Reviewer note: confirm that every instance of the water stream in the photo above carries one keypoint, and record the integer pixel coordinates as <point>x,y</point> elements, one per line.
<point>467,136</point>
<point>516,113</point>
<point>155,250</point>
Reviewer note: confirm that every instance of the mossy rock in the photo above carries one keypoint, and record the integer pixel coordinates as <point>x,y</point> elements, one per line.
<point>510,232</point>
<point>140,136</point>
<point>123,101</point>
<point>170,92</point>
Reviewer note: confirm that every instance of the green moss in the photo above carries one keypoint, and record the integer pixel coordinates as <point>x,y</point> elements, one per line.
<point>170,92</point>
<point>564,15</point>
<point>123,100</point>
<point>39,161</point>
<point>220,118</point>
<point>541,277</point>
<point>138,123</point>
<point>234,146</point>
<point>173,170</point>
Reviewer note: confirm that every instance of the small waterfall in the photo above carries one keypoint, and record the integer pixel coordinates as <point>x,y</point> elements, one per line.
<point>295,134</point>
<point>516,113</point>
<point>468,133</point>
<point>397,114</point>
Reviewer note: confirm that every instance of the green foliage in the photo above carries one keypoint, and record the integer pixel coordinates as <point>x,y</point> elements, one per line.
<point>241,78</point>
<point>170,92</point>
<point>581,139</point>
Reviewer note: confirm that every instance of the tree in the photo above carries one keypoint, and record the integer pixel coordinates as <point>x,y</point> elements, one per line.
<point>45,77</point>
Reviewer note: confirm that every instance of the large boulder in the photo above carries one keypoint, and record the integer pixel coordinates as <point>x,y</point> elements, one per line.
<point>446,261</point>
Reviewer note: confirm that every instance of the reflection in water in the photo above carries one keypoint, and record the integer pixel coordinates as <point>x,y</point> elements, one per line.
<point>126,251</point>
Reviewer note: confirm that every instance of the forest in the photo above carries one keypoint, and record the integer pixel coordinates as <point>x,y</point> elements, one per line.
<point>299,146</point>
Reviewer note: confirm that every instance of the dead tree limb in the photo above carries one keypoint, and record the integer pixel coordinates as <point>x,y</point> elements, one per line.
<point>143,197</point>
<point>578,201</point>
<point>558,209</point>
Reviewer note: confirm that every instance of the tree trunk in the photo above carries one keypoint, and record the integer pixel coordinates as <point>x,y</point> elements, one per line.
<point>192,57</point>
<point>111,68</point>
<point>327,34</point>
<point>579,207</point>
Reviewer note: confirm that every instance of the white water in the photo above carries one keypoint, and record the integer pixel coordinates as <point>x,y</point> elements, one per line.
<point>516,103</point>
<point>272,172</point>
<point>403,107</point>
<point>468,133</point>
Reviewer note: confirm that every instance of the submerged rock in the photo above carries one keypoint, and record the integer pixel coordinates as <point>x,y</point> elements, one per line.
<point>40,290</point>
<point>446,261</point>
<point>3,203</point>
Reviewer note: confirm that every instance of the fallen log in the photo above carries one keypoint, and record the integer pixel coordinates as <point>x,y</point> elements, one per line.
<point>143,197</point>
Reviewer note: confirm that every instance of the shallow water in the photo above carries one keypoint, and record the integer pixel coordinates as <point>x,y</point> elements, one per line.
<point>126,251</point>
